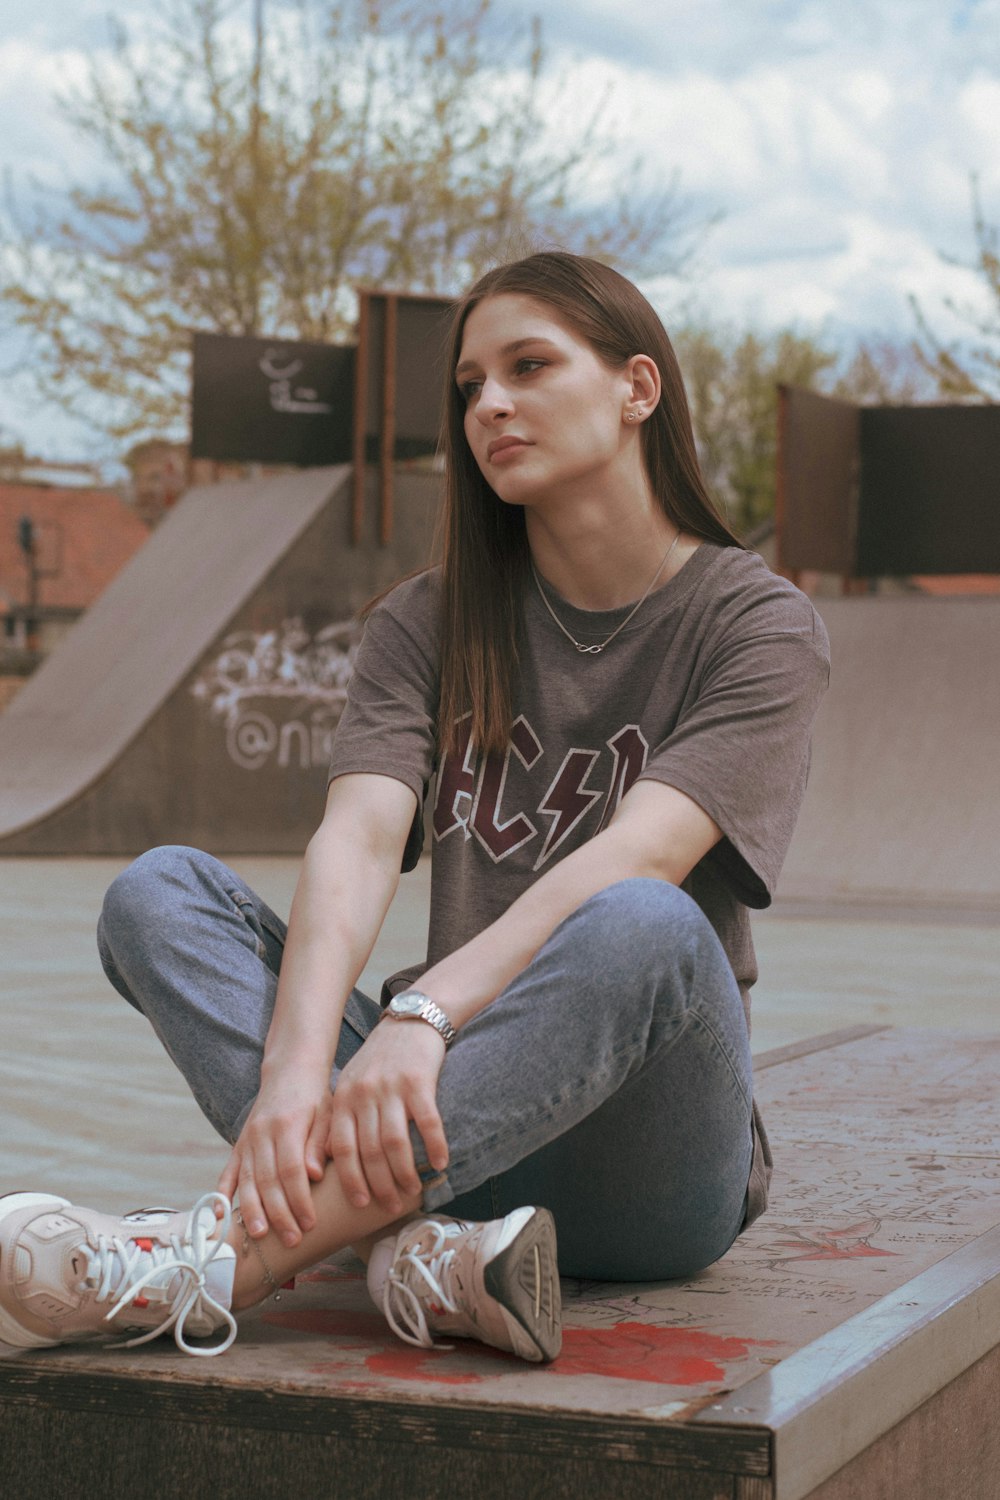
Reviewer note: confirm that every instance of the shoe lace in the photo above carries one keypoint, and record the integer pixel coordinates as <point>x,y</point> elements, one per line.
<point>419,1280</point>
<point>123,1271</point>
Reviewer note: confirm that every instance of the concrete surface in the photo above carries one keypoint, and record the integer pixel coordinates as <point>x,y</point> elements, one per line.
<point>91,1106</point>
<point>903,802</point>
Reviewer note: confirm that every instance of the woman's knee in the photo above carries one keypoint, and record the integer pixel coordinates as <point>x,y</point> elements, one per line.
<point>158,878</point>
<point>143,901</point>
<point>640,921</point>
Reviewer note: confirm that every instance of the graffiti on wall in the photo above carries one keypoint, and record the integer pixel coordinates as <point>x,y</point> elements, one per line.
<point>278,694</point>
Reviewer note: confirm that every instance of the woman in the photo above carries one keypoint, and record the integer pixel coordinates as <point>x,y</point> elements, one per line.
<point>616,698</point>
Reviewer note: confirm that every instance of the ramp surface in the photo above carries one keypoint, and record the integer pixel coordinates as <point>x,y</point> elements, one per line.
<point>903,804</point>
<point>64,736</point>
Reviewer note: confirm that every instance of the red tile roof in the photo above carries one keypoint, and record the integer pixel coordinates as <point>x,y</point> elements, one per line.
<point>83,537</point>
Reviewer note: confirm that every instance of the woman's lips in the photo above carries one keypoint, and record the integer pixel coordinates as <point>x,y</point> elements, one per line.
<point>503,448</point>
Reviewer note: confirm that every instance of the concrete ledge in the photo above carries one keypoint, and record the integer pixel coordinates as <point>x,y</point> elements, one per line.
<point>865,1305</point>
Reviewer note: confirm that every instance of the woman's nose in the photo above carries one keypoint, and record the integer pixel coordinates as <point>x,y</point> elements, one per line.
<point>494,401</point>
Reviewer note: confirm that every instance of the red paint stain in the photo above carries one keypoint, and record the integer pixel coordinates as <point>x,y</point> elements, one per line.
<point>637,1351</point>
<point>626,1351</point>
<point>392,1357</point>
<point>407,1363</point>
<point>329,1273</point>
<point>336,1322</point>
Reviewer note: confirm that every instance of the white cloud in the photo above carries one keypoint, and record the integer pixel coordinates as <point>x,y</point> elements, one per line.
<point>837,136</point>
<point>869,93</point>
<point>36,140</point>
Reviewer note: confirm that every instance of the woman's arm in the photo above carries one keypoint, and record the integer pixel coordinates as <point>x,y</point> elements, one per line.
<point>349,877</point>
<point>658,832</point>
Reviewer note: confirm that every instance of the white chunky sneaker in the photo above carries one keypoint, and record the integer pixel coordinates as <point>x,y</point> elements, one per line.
<point>497,1282</point>
<point>70,1274</point>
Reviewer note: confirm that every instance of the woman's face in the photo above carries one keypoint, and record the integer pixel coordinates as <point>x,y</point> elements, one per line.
<point>543,414</point>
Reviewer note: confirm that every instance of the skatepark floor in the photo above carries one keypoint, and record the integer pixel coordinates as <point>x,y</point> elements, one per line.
<point>94,1109</point>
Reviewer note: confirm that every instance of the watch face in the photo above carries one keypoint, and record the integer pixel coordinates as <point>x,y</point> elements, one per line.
<point>407,1005</point>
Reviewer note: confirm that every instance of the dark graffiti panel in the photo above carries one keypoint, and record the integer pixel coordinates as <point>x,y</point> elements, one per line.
<point>930,490</point>
<point>271,400</point>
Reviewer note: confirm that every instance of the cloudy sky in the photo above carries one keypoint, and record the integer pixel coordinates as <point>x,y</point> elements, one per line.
<point>834,138</point>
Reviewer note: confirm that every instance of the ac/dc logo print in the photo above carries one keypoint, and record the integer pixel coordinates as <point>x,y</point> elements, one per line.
<point>471,790</point>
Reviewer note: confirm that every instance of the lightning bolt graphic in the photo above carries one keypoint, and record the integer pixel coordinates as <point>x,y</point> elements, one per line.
<point>567,800</point>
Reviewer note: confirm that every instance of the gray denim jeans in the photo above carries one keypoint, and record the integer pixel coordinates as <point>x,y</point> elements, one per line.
<point>609,1082</point>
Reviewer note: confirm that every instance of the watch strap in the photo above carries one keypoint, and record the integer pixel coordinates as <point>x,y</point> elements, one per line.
<point>429,1011</point>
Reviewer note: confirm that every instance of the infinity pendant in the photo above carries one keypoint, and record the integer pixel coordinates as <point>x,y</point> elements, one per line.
<point>589,650</point>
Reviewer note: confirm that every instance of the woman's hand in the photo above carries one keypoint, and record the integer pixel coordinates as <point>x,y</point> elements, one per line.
<point>280,1150</point>
<point>391,1081</point>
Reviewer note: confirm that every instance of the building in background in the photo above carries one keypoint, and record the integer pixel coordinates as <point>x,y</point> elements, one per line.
<point>62,540</point>
<point>159,476</point>
<point>160,471</point>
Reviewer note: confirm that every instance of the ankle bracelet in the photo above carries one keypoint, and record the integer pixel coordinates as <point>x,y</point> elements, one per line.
<point>249,1244</point>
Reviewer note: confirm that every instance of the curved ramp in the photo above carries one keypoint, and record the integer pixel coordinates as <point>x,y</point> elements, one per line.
<point>190,703</point>
<point>903,805</point>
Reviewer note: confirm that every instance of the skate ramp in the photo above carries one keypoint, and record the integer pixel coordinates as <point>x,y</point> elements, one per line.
<point>903,803</point>
<point>195,701</point>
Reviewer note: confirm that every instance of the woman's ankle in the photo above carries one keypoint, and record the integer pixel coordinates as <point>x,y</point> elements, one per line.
<point>254,1280</point>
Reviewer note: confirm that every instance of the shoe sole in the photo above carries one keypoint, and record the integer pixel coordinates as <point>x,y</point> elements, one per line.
<point>11,1332</point>
<point>524,1279</point>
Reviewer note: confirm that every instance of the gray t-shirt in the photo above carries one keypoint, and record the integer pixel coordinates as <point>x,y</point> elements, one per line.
<point>711,688</point>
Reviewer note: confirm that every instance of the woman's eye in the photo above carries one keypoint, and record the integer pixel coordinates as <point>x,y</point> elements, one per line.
<point>470,388</point>
<point>529,366</point>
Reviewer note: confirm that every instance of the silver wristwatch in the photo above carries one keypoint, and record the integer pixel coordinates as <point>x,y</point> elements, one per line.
<point>413,1006</point>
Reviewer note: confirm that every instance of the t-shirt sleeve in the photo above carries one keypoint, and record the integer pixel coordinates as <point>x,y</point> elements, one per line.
<point>388,726</point>
<point>741,748</point>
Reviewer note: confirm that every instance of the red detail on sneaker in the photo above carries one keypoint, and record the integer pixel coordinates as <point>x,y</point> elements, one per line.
<point>140,1301</point>
<point>143,1244</point>
<point>288,1286</point>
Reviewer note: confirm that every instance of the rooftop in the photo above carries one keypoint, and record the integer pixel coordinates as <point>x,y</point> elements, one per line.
<point>82,538</point>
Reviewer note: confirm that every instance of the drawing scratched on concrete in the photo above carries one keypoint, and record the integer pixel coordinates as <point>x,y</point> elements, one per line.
<point>840,1242</point>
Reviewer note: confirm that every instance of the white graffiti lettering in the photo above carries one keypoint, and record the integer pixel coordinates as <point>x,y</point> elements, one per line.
<point>250,740</point>
<point>257,677</point>
<point>254,739</point>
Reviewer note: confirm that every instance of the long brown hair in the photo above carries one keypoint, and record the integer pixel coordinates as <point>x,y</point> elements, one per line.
<point>485,556</point>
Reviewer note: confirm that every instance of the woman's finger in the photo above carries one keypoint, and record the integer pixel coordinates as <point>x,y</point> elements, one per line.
<point>379,1176</point>
<point>428,1122</point>
<point>294,1182</point>
<point>251,1208</point>
<point>229,1176</point>
<point>343,1148</point>
<point>316,1148</point>
<point>273,1200</point>
<point>398,1148</point>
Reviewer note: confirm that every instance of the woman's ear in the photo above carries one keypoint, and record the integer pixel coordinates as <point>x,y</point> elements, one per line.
<point>644,378</point>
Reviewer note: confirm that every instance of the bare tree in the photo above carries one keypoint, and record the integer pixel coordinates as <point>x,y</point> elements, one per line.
<point>732,378</point>
<point>968,370</point>
<point>253,179</point>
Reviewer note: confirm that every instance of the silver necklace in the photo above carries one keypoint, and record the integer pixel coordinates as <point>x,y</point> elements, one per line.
<point>596,650</point>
